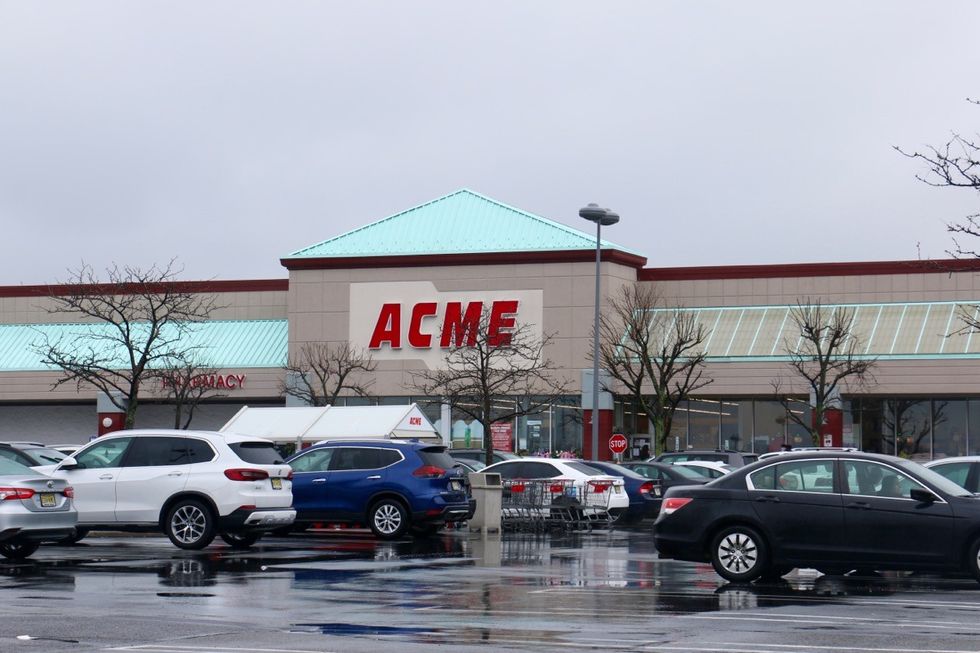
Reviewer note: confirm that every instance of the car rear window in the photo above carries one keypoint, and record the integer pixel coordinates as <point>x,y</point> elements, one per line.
<point>437,457</point>
<point>585,469</point>
<point>9,467</point>
<point>257,453</point>
<point>687,472</point>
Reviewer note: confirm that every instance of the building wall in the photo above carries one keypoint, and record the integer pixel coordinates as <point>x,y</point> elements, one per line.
<point>256,305</point>
<point>319,306</point>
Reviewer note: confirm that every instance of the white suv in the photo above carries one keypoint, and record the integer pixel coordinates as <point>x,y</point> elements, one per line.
<point>192,485</point>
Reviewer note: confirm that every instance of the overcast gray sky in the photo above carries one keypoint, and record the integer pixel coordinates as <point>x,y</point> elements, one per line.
<point>229,134</point>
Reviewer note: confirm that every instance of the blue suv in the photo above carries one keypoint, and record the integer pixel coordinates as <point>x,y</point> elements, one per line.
<point>389,485</point>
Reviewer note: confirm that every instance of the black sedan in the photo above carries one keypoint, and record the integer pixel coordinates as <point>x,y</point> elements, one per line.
<point>831,511</point>
<point>668,475</point>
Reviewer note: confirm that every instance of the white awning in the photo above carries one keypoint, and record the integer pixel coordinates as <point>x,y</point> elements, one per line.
<point>314,424</point>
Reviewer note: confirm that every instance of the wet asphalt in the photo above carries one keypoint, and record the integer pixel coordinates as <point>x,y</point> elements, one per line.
<point>457,591</point>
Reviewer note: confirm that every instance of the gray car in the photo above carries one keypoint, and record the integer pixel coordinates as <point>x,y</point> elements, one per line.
<point>33,509</point>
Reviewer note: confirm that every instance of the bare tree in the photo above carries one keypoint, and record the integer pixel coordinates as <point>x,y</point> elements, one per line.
<point>956,164</point>
<point>320,372</point>
<point>135,318</point>
<point>827,355</point>
<point>186,384</point>
<point>494,374</point>
<point>656,352</point>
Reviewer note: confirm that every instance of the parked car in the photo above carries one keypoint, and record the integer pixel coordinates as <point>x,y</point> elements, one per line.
<point>34,509</point>
<point>835,511</point>
<point>469,465</point>
<point>770,454</point>
<point>962,470</point>
<point>191,485</point>
<point>608,489</point>
<point>710,468</point>
<point>733,458</point>
<point>668,475</point>
<point>32,454</point>
<point>479,454</point>
<point>644,494</point>
<point>392,486</point>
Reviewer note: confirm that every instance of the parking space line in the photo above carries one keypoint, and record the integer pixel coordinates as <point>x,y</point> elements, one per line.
<point>167,648</point>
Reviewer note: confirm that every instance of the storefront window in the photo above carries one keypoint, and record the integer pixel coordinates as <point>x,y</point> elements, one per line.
<point>736,425</point>
<point>949,427</point>
<point>770,424</point>
<point>678,428</point>
<point>973,433</point>
<point>911,420</point>
<point>797,433</point>
<point>703,424</point>
<point>566,424</point>
<point>875,432</point>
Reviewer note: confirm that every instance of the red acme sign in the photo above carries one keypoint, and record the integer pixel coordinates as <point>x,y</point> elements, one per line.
<point>460,326</point>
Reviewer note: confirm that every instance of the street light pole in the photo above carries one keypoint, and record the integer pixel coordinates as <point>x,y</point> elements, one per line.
<point>600,216</point>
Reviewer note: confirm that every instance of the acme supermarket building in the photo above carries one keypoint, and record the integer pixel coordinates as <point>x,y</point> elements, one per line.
<point>391,284</point>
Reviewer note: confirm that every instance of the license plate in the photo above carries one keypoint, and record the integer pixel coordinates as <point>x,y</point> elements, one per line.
<point>617,489</point>
<point>48,500</point>
<point>277,484</point>
<point>656,492</point>
<point>455,486</point>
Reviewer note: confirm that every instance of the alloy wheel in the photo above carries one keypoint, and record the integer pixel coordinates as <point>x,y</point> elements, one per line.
<point>387,518</point>
<point>738,553</point>
<point>188,523</point>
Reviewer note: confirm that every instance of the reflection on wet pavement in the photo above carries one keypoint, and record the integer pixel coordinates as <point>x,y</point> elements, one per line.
<point>533,590</point>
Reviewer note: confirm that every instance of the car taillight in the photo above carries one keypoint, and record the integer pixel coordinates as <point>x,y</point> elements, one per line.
<point>673,504</point>
<point>599,487</point>
<point>646,488</point>
<point>15,493</point>
<point>429,471</point>
<point>289,476</point>
<point>246,474</point>
<point>69,492</point>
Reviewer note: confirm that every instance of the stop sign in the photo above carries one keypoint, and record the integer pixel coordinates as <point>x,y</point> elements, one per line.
<point>618,443</point>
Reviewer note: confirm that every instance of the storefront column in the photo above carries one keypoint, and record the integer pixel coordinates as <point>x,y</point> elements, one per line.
<point>606,416</point>
<point>111,417</point>
<point>446,423</point>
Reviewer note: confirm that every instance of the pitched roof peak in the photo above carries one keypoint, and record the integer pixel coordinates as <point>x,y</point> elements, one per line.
<point>462,222</point>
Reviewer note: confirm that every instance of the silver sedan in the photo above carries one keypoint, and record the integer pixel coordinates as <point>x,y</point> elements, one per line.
<point>33,509</point>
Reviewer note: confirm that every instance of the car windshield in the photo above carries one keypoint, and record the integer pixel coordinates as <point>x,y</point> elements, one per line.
<point>257,453</point>
<point>940,481</point>
<point>45,456</point>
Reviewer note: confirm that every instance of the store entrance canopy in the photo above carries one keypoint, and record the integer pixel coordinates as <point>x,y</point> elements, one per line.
<point>309,424</point>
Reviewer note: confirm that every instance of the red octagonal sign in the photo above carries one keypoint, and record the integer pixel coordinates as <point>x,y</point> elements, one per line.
<point>618,443</point>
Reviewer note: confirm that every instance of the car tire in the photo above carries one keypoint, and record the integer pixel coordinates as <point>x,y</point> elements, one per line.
<point>190,524</point>
<point>75,537</point>
<point>18,550</point>
<point>388,519</point>
<point>739,554</point>
<point>973,559</point>
<point>239,539</point>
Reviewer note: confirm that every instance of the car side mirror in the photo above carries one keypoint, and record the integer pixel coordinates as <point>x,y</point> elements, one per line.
<point>922,496</point>
<point>68,463</point>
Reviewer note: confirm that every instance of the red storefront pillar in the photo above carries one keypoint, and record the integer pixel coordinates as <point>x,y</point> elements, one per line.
<point>605,432</point>
<point>111,417</point>
<point>832,430</point>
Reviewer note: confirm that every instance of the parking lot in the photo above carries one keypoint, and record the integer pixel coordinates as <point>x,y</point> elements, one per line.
<point>346,591</point>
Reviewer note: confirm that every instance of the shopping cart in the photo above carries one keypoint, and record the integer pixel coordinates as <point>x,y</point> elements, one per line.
<point>547,504</point>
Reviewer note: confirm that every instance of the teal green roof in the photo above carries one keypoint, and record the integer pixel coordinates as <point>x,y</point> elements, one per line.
<point>223,343</point>
<point>463,222</point>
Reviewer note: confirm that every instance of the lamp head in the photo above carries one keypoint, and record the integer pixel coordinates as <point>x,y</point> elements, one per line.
<point>595,213</point>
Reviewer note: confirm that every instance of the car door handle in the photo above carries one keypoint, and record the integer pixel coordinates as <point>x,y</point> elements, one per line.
<point>767,499</point>
<point>105,477</point>
<point>318,480</point>
<point>859,505</point>
<point>374,478</point>
<point>175,474</point>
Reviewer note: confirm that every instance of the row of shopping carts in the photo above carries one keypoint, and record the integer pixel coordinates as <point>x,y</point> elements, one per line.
<point>554,504</point>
